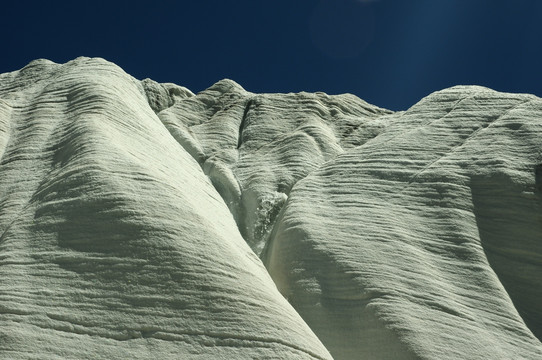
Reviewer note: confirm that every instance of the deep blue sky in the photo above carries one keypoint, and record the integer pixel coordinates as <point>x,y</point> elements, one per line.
<point>388,52</point>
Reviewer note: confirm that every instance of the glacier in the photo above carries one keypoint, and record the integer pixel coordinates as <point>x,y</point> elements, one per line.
<point>140,220</point>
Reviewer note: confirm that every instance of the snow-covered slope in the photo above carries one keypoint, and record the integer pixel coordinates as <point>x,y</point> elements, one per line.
<point>133,216</point>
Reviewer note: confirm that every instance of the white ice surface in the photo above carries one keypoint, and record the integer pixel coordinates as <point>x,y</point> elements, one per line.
<point>114,244</point>
<point>425,242</point>
<point>132,215</point>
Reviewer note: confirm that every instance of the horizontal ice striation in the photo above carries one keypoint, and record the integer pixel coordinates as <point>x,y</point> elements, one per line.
<point>426,241</point>
<point>124,204</point>
<point>255,147</point>
<point>113,242</point>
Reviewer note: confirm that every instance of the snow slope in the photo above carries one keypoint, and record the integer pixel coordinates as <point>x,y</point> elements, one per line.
<point>133,216</point>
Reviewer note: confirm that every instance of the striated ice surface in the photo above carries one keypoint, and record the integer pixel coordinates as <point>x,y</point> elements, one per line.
<point>140,220</point>
<point>424,242</point>
<point>114,243</point>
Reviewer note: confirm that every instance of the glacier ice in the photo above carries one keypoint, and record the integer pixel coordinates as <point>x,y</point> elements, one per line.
<point>140,220</point>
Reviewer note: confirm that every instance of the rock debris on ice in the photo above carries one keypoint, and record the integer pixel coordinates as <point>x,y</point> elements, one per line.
<point>140,220</point>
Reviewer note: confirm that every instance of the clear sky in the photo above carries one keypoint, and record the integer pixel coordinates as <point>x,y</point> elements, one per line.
<point>389,52</point>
